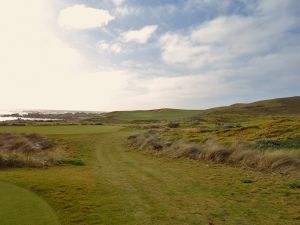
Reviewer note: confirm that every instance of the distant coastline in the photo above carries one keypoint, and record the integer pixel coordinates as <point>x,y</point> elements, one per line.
<point>37,115</point>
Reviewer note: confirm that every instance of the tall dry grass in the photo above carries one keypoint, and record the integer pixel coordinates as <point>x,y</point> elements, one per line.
<point>239,154</point>
<point>27,150</point>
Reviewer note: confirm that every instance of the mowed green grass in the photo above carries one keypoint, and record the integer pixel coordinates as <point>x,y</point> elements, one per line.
<point>119,185</point>
<point>22,207</point>
<point>59,130</point>
<point>160,114</point>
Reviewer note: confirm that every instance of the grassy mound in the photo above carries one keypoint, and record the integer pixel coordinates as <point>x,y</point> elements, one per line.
<point>21,207</point>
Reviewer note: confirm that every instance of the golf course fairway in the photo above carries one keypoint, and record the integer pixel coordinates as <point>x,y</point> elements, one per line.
<point>121,185</point>
<point>22,207</point>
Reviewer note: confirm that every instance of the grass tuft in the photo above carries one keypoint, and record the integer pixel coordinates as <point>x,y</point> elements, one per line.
<point>75,162</point>
<point>247,181</point>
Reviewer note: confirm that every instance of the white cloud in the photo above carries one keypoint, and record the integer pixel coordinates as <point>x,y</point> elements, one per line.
<point>178,49</point>
<point>229,39</point>
<point>139,36</point>
<point>118,2</point>
<point>175,91</point>
<point>111,47</point>
<point>82,17</point>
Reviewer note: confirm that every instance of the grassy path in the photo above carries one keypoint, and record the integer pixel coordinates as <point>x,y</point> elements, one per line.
<point>123,186</point>
<point>143,189</point>
<point>22,207</point>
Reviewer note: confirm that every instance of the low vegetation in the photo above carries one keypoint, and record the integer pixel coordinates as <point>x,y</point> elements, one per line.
<point>240,154</point>
<point>295,184</point>
<point>27,150</point>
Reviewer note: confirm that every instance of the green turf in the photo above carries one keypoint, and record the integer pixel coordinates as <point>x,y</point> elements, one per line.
<point>122,186</point>
<point>67,129</point>
<point>22,207</point>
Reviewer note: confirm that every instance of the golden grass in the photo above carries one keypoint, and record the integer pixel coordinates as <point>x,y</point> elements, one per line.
<point>241,154</point>
<point>27,150</point>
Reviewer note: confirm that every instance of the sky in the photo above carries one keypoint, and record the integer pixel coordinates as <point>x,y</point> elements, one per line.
<point>132,54</point>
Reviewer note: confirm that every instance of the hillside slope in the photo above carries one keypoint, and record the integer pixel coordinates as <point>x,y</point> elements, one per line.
<point>272,107</point>
<point>279,106</point>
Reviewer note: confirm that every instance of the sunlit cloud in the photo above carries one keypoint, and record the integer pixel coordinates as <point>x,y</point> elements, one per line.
<point>82,17</point>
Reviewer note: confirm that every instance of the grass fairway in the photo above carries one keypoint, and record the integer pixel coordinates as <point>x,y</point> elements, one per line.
<point>118,185</point>
<point>59,130</point>
<point>22,207</point>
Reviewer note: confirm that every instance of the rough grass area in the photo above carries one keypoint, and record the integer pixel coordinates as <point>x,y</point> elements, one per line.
<point>27,150</point>
<point>118,185</point>
<point>240,154</point>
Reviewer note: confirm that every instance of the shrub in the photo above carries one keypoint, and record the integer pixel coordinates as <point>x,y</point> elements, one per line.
<point>173,125</point>
<point>75,162</point>
<point>295,184</point>
<point>236,154</point>
<point>23,142</point>
<point>247,181</point>
<point>27,150</point>
<point>20,159</point>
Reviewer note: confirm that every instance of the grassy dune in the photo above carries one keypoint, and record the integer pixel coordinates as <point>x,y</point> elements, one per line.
<point>118,185</point>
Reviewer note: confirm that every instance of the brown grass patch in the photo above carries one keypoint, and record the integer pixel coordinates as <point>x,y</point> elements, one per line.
<point>27,150</point>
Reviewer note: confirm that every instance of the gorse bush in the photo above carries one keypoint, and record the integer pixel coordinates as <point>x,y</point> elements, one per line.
<point>238,153</point>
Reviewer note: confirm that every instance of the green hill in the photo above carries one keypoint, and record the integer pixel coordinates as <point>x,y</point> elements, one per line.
<point>272,107</point>
<point>279,106</point>
<point>152,115</point>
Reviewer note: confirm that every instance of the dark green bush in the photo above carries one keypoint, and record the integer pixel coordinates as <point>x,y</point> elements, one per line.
<point>75,162</point>
<point>295,184</point>
<point>247,181</point>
